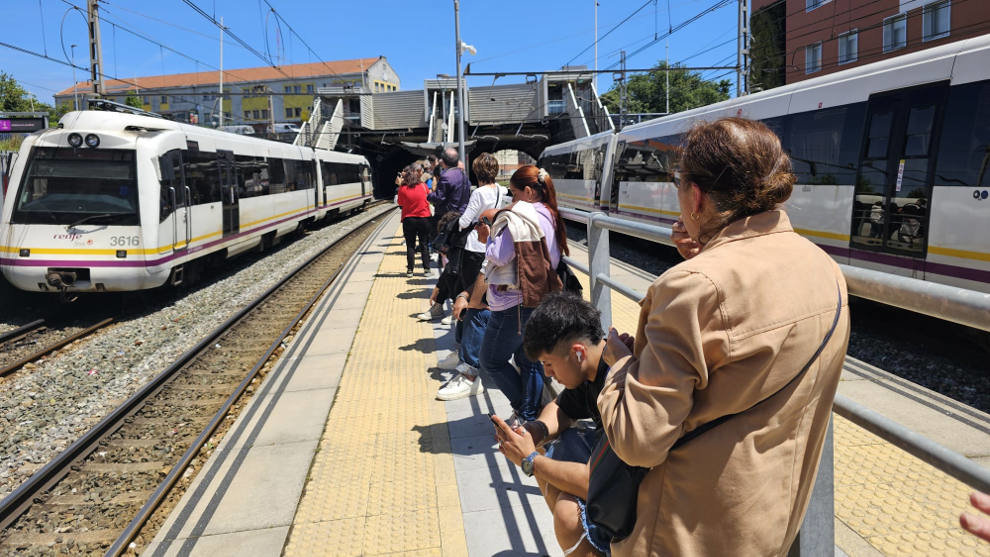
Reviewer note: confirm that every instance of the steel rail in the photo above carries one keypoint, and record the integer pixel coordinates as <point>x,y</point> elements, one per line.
<point>12,506</point>
<point>53,347</point>
<point>21,331</point>
<point>175,474</point>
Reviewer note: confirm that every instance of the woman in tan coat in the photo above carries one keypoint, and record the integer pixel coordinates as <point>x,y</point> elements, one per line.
<point>719,333</point>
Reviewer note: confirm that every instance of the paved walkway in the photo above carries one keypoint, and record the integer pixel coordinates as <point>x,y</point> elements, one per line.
<point>345,451</point>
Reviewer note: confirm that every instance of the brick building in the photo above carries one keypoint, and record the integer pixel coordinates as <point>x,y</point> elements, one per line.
<point>800,39</point>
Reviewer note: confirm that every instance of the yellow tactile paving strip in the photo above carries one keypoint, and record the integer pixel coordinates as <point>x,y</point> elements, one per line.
<point>897,503</point>
<point>383,478</point>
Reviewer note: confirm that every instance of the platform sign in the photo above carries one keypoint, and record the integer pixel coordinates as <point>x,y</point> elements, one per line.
<point>23,122</point>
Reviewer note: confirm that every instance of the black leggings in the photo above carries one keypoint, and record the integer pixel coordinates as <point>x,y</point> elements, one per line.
<point>412,227</point>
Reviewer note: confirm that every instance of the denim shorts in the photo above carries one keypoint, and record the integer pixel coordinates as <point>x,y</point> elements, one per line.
<point>575,445</point>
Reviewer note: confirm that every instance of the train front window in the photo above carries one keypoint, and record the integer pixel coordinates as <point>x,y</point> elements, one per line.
<point>66,186</point>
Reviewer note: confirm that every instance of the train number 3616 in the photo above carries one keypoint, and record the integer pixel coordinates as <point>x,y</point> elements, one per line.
<point>122,241</point>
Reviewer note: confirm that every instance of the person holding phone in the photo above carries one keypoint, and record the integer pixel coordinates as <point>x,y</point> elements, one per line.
<point>473,318</point>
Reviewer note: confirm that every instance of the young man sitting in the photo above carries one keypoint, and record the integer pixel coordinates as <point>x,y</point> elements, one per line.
<point>565,334</point>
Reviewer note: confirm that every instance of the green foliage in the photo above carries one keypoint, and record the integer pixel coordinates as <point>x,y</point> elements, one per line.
<point>13,97</point>
<point>647,93</point>
<point>767,48</point>
<point>12,144</point>
<point>133,100</point>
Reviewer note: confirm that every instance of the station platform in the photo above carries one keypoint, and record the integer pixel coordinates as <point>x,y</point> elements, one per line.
<point>345,451</point>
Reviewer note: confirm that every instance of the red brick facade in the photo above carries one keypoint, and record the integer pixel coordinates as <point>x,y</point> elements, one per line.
<point>826,22</point>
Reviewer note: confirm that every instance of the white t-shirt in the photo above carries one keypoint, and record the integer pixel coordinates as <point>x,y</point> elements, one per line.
<point>482,199</point>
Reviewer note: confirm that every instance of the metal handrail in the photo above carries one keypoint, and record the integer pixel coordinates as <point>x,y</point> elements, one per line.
<point>955,304</point>
<point>951,303</point>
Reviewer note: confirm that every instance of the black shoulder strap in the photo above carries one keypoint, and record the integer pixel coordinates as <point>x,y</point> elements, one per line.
<point>717,421</point>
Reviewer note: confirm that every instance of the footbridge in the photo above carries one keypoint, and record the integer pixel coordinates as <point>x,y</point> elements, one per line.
<point>395,128</point>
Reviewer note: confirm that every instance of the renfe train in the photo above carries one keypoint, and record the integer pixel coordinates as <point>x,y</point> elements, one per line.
<point>892,160</point>
<point>118,202</point>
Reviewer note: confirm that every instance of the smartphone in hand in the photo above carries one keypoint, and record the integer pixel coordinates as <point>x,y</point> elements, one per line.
<point>486,221</point>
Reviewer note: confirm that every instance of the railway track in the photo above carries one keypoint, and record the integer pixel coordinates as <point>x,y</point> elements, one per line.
<point>98,494</point>
<point>21,346</point>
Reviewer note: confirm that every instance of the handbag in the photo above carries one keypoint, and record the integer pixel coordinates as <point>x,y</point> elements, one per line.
<point>613,487</point>
<point>568,278</point>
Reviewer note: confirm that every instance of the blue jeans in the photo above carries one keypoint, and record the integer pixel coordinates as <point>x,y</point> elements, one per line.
<point>503,339</point>
<point>473,325</point>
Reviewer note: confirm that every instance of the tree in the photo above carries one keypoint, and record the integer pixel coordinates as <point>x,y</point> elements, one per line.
<point>768,47</point>
<point>646,92</point>
<point>13,97</point>
<point>133,100</point>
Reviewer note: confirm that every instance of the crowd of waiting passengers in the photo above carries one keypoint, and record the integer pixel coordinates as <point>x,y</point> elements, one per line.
<point>701,432</point>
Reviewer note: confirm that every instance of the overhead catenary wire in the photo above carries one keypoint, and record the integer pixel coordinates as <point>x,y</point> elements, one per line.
<point>607,33</point>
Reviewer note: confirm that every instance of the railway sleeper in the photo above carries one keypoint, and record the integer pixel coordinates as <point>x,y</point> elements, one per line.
<point>25,540</point>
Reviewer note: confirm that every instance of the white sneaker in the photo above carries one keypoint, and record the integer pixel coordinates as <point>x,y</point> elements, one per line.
<point>450,362</point>
<point>459,387</point>
<point>435,312</point>
<point>447,320</point>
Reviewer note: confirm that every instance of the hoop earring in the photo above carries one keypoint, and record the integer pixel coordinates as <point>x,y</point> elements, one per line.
<point>695,216</point>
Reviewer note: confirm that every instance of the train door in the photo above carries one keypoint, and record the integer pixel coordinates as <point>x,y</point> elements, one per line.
<point>176,200</point>
<point>896,170</point>
<point>228,192</point>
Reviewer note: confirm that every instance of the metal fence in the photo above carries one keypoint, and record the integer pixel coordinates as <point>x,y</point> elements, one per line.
<point>817,536</point>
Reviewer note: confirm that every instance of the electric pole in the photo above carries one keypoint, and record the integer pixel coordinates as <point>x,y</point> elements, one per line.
<point>95,50</point>
<point>742,51</point>
<point>622,90</point>
<point>220,121</point>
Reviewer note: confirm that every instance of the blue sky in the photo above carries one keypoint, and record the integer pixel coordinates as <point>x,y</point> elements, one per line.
<point>417,37</point>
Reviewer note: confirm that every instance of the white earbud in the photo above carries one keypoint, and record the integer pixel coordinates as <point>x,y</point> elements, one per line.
<point>579,356</point>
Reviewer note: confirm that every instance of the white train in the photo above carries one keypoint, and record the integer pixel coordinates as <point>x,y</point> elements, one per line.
<point>117,202</point>
<point>892,160</point>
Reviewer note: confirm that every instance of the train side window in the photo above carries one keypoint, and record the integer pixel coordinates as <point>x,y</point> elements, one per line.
<point>824,144</point>
<point>202,176</point>
<point>276,175</point>
<point>170,165</point>
<point>964,152</point>
<point>303,173</point>
<point>650,160</point>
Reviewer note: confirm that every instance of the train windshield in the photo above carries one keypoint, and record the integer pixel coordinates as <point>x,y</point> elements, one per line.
<point>78,186</point>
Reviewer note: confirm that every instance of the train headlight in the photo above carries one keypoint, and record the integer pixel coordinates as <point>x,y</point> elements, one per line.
<point>75,139</point>
<point>92,141</point>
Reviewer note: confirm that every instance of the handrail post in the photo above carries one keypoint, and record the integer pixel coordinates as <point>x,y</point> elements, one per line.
<point>817,534</point>
<point>599,263</point>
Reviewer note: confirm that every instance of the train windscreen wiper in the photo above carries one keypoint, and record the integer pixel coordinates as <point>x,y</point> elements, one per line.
<point>88,218</point>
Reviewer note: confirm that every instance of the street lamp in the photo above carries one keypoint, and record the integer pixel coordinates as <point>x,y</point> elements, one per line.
<point>75,95</point>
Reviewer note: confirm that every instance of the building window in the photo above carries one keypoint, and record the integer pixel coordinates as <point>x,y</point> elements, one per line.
<point>264,113</point>
<point>935,20</point>
<point>894,32</point>
<point>164,99</point>
<point>848,47</point>
<point>288,88</point>
<point>298,113</point>
<point>247,114</point>
<point>309,88</point>
<point>813,58</point>
<point>296,89</point>
<point>288,113</point>
<point>812,4</point>
<point>257,114</point>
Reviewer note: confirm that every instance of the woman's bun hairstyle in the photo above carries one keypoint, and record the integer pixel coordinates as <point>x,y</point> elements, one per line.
<point>740,164</point>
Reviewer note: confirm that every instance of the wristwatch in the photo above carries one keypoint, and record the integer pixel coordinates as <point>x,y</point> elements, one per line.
<point>527,463</point>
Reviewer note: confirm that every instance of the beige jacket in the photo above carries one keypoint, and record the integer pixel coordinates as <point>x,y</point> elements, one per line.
<point>717,334</point>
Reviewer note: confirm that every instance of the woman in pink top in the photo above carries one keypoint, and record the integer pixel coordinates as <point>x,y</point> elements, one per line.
<point>415,217</point>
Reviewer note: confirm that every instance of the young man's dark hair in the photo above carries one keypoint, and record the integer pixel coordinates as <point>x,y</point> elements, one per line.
<point>561,316</point>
